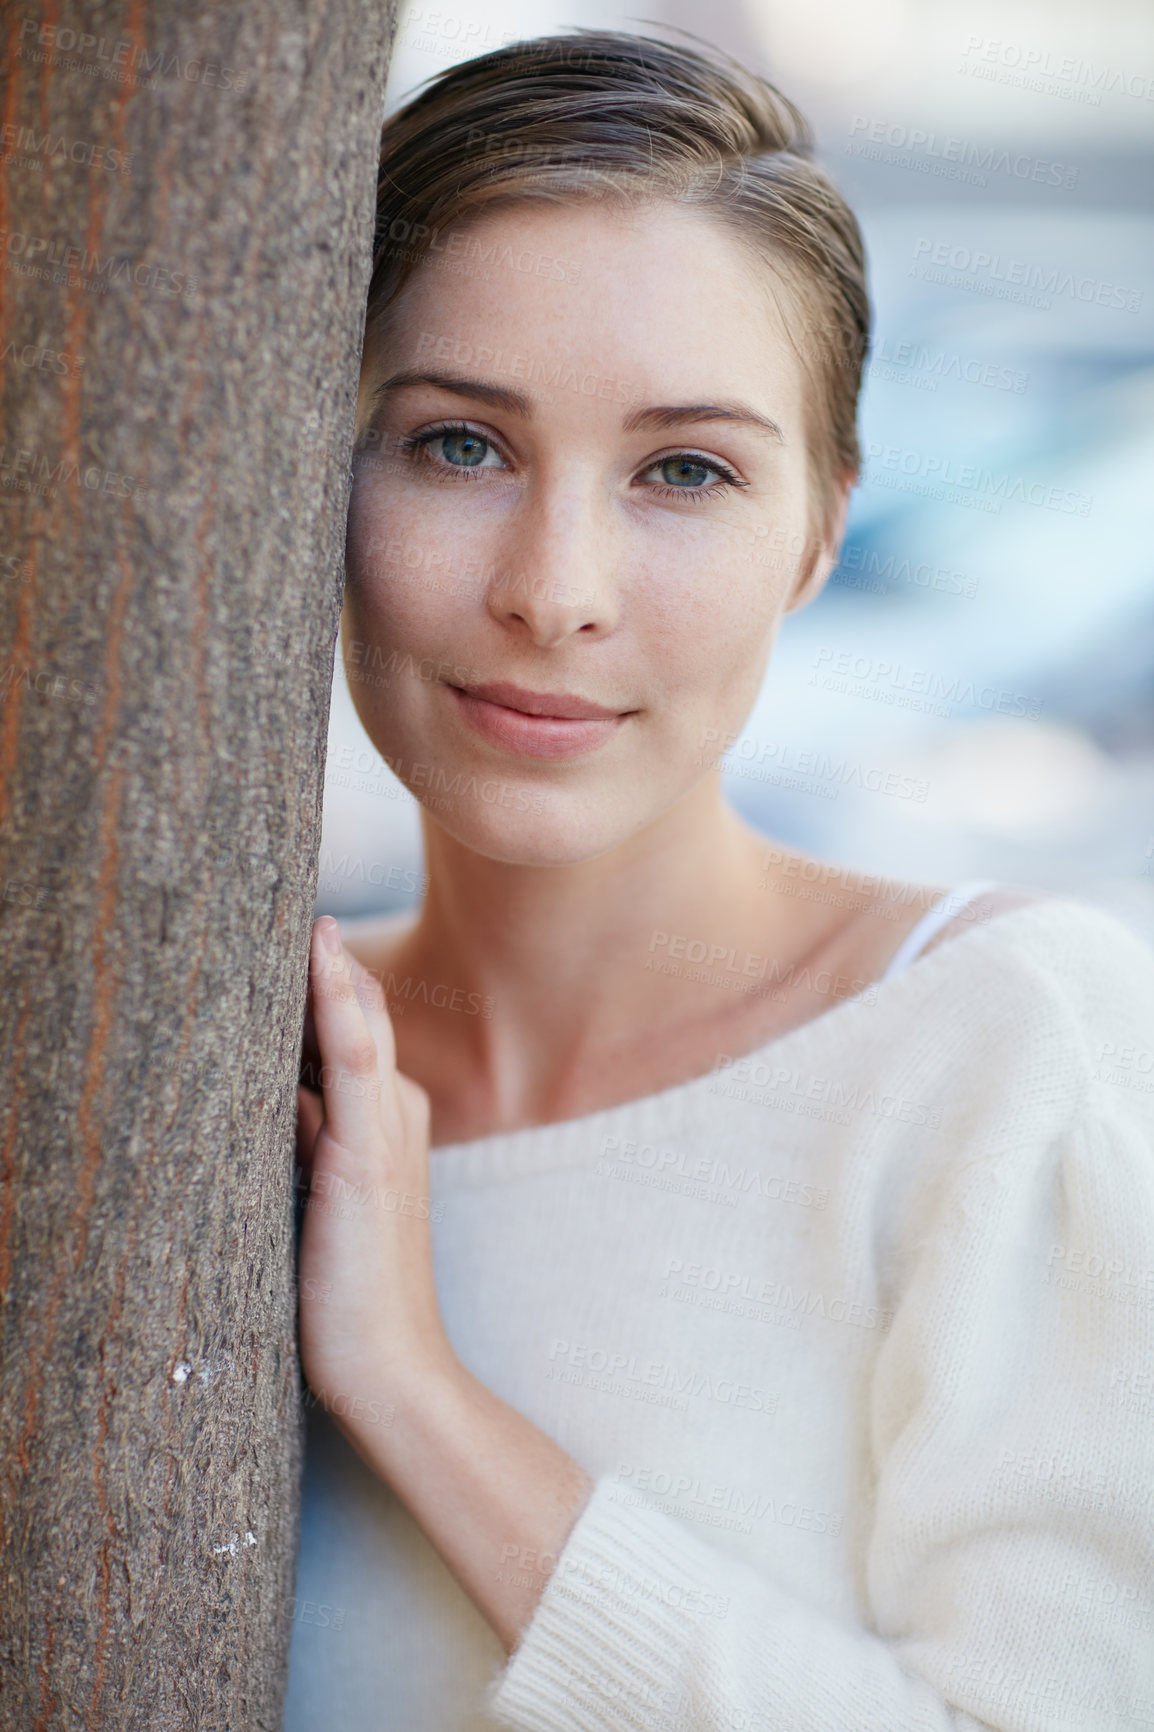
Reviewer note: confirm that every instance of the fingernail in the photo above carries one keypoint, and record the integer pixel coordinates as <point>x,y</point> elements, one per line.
<point>330,935</point>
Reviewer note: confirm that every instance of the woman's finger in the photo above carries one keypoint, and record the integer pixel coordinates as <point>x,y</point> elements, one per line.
<point>371,998</point>
<point>310,1050</point>
<point>310,1119</point>
<point>356,1044</point>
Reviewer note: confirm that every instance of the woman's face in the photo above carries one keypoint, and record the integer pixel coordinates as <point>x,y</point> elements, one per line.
<point>579,512</point>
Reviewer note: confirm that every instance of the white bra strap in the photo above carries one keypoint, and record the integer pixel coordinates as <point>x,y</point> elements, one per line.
<point>932,921</point>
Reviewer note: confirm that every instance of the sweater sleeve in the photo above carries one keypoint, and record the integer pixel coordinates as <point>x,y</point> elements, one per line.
<point>1007,1564</point>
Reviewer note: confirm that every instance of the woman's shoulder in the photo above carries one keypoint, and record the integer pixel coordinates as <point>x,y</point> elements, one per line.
<point>1062,935</point>
<point>897,926</point>
<point>979,909</point>
<point>1083,947</point>
<point>1029,1040</point>
<point>1050,984</point>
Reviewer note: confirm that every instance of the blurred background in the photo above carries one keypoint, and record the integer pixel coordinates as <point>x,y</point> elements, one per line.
<point>973,694</point>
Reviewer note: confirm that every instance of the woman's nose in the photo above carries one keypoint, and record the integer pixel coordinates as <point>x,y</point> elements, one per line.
<point>556,577</point>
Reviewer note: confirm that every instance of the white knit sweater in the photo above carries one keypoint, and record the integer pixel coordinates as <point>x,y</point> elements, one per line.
<point>856,1337</point>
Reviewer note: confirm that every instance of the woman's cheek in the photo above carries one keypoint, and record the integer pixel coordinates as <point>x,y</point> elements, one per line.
<point>385,559</point>
<point>390,524</point>
<point>731,637</point>
<point>366,537</point>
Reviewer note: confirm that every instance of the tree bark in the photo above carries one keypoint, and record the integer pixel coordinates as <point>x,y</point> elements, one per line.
<point>186,203</point>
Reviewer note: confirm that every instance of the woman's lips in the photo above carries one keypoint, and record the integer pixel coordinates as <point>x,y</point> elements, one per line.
<point>536,733</point>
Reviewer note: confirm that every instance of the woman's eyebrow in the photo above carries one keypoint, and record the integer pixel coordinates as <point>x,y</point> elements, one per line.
<point>670,415</point>
<point>497,396</point>
<point>515,402</point>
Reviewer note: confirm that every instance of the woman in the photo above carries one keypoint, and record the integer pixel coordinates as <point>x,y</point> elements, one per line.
<point>762,1342</point>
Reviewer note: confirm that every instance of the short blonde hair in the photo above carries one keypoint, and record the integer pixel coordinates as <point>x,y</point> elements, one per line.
<point>608,114</point>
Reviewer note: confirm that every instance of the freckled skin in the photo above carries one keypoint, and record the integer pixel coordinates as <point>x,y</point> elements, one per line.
<point>676,605</point>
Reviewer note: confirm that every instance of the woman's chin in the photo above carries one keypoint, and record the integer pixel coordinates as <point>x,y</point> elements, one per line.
<point>541,833</point>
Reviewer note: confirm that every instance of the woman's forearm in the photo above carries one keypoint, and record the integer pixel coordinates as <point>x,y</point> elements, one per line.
<point>494,1495</point>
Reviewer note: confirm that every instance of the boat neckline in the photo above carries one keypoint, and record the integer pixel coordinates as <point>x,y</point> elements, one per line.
<point>921,966</point>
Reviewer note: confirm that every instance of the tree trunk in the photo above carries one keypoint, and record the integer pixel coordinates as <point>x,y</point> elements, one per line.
<point>186,201</point>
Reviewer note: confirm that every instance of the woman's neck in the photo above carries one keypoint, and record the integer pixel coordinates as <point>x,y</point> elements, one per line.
<point>611,966</point>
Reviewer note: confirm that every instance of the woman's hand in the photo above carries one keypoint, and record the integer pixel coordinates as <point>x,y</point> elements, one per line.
<point>369,1318</point>
<point>477,1476</point>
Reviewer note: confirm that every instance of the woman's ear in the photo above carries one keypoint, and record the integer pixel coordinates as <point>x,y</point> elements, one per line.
<point>821,555</point>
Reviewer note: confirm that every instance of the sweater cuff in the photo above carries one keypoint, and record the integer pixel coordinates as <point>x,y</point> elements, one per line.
<point>624,1602</point>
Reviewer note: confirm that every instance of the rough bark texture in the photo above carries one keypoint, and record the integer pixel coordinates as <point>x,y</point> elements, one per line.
<point>186,199</point>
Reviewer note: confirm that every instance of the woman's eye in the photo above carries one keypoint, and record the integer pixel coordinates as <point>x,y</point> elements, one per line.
<point>461,449</point>
<point>686,472</point>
